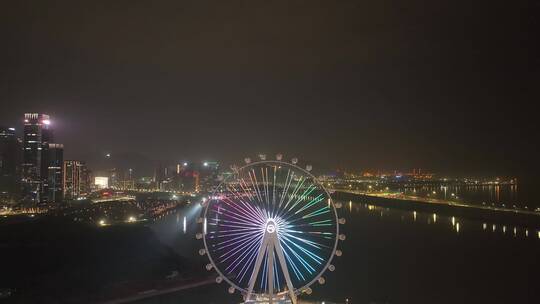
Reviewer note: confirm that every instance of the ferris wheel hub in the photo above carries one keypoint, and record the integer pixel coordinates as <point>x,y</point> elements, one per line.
<point>271,226</point>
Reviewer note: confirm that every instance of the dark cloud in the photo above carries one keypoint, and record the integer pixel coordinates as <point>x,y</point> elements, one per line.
<point>445,85</point>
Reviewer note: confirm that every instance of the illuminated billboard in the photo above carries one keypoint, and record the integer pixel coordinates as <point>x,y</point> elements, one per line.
<point>101,182</point>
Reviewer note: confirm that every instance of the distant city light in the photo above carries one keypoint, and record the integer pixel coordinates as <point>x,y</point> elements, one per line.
<point>205,164</point>
<point>108,155</point>
<point>46,122</point>
<point>12,129</point>
<point>185,164</point>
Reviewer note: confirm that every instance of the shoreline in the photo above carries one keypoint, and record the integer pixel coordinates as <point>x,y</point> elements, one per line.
<point>474,212</point>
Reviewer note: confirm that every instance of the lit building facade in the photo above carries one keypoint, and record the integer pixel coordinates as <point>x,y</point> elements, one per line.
<point>53,185</point>
<point>208,176</point>
<point>41,168</point>
<point>76,179</point>
<point>10,164</point>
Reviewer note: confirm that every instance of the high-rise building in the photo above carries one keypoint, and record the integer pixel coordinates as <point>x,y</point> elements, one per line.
<point>208,175</point>
<point>114,178</point>
<point>53,185</point>
<point>10,164</point>
<point>76,180</point>
<point>35,166</point>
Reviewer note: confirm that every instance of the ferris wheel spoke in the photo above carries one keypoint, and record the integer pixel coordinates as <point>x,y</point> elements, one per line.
<point>321,223</point>
<point>255,184</point>
<point>240,242</point>
<point>227,216</point>
<point>317,212</point>
<point>247,189</point>
<point>232,252</point>
<point>308,242</point>
<point>295,190</point>
<point>241,212</point>
<point>249,249</point>
<point>274,193</point>
<point>239,218</point>
<point>231,217</point>
<point>264,177</point>
<point>316,235</point>
<point>296,270</point>
<point>245,268</point>
<point>302,261</point>
<point>228,236</point>
<point>240,231</point>
<point>236,214</point>
<point>302,197</point>
<point>233,226</point>
<point>244,203</point>
<point>232,189</point>
<point>317,259</point>
<point>314,201</point>
<point>288,181</point>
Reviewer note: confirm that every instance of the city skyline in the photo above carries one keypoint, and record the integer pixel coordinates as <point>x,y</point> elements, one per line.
<point>130,160</point>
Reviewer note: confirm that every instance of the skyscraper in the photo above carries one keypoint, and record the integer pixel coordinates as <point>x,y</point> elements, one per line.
<point>10,162</point>
<point>36,139</point>
<point>76,180</point>
<point>53,185</point>
<point>208,175</point>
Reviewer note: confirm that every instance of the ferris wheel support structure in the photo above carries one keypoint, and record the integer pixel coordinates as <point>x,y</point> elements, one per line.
<point>271,245</point>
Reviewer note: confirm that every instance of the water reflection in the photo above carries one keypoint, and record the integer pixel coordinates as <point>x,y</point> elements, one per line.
<point>456,223</point>
<point>375,262</point>
<point>184,225</point>
<point>495,195</point>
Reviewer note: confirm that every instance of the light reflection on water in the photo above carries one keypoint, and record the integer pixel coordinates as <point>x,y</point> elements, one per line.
<point>375,260</point>
<point>185,221</point>
<point>511,196</point>
<point>457,224</point>
<point>355,211</point>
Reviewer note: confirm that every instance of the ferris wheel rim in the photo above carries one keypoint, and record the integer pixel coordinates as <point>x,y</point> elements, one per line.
<point>299,289</point>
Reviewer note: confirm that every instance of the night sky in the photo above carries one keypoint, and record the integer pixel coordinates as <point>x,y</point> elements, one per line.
<point>448,86</point>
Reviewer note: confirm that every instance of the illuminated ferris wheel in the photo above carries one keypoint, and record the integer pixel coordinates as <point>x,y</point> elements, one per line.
<point>270,230</point>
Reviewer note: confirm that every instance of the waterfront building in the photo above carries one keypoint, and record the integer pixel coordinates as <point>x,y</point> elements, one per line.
<point>113,178</point>
<point>208,173</point>
<point>53,185</point>
<point>36,138</point>
<point>10,164</point>
<point>76,179</point>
